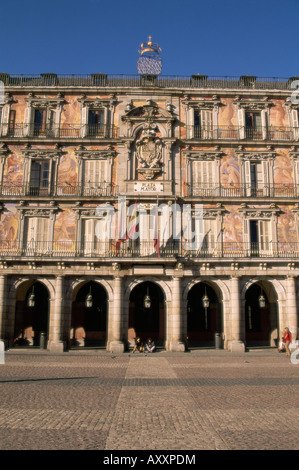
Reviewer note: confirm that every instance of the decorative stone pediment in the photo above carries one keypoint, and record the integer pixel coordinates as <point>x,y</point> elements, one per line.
<point>149,112</point>
<point>292,104</point>
<point>53,154</point>
<point>4,150</point>
<point>97,103</point>
<point>203,154</point>
<point>8,99</point>
<point>30,211</point>
<point>252,104</point>
<point>45,102</point>
<point>261,212</point>
<point>255,155</point>
<point>213,212</point>
<point>104,154</point>
<point>202,103</point>
<point>294,153</point>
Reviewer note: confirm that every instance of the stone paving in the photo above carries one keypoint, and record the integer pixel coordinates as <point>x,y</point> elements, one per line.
<point>204,399</point>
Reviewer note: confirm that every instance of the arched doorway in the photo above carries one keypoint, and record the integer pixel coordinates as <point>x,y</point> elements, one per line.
<point>261,320</point>
<point>89,316</point>
<point>204,320</point>
<point>147,319</point>
<point>32,314</point>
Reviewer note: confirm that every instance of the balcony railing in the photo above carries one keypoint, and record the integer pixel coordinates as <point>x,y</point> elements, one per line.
<point>108,80</point>
<point>146,249</point>
<point>209,190</point>
<point>64,131</point>
<point>90,131</point>
<point>60,190</point>
<point>203,190</point>
<point>241,133</point>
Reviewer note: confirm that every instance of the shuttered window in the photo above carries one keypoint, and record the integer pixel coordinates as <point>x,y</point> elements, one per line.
<point>95,237</point>
<point>37,234</point>
<point>256,178</point>
<point>203,124</point>
<point>203,175</point>
<point>94,177</point>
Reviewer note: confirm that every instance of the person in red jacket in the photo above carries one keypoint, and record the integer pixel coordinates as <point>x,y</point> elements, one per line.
<point>287,340</point>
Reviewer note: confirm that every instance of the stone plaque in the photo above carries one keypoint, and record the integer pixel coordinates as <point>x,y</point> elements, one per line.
<point>148,187</point>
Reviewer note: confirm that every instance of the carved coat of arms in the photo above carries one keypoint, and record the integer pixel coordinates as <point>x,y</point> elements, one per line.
<point>149,153</point>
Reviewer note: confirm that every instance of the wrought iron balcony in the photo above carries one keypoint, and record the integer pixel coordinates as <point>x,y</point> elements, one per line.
<point>146,250</point>
<point>63,190</point>
<point>210,190</point>
<point>64,131</point>
<point>240,133</point>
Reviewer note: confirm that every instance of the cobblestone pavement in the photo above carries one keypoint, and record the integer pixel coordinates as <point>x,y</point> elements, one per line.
<point>199,400</point>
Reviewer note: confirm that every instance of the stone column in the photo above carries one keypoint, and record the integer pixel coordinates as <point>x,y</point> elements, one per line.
<point>56,343</point>
<point>116,343</point>
<point>176,343</point>
<point>2,307</point>
<point>292,316</point>
<point>236,344</point>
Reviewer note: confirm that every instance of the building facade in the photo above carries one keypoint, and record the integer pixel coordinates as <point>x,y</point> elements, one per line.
<point>79,152</point>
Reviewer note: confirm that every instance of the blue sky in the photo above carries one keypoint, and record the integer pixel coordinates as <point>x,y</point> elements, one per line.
<point>213,37</point>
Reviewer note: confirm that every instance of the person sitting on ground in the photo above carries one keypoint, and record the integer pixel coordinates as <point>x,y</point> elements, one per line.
<point>150,345</point>
<point>282,347</point>
<point>138,346</point>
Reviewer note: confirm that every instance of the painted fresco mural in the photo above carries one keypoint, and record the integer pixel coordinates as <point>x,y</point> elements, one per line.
<point>9,226</point>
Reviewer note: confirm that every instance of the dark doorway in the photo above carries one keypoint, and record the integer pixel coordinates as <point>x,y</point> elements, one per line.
<point>89,322</point>
<point>257,318</point>
<point>31,321</point>
<point>203,322</point>
<point>147,321</point>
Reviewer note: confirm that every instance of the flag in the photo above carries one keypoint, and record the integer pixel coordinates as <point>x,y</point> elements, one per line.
<point>130,230</point>
<point>156,232</point>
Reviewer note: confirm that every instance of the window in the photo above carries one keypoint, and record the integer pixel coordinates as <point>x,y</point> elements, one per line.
<point>256,178</point>
<point>253,125</point>
<point>36,235</point>
<point>44,121</point>
<point>7,119</point>
<point>42,116</point>
<point>260,237</point>
<point>39,178</point>
<point>95,237</point>
<point>96,125</point>
<point>203,178</point>
<point>203,124</point>
<point>97,115</point>
<point>94,178</point>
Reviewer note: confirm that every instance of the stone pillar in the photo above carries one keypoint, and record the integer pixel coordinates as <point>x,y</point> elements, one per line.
<point>116,343</point>
<point>56,343</point>
<point>292,316</point>
<point>176,343</point>
<point>236,344</point>
<point>2,307</point>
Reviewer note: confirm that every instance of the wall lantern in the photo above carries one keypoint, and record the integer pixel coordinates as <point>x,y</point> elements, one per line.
<point>147,301</point>
<point>31,298</point>
<point>205,300</point>
<point>88,299</point>
<point>262,300</point>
